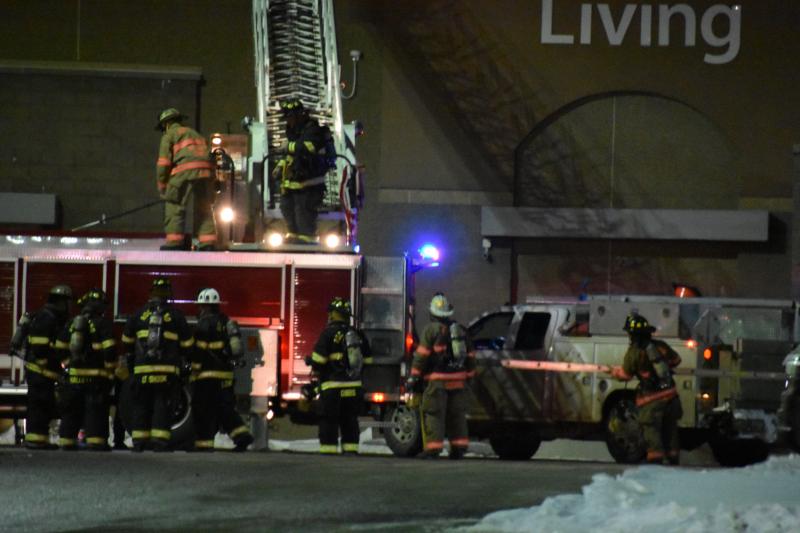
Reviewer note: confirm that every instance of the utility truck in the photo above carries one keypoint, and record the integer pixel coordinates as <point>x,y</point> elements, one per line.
<point>543,373</point>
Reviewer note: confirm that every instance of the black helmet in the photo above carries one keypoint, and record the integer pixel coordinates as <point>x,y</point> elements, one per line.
<point>292,105</point>
<point>61,291</point>
<point>636,324</point>
<point>340,305</point>
<point>94,295</point>
<point>161,287</point>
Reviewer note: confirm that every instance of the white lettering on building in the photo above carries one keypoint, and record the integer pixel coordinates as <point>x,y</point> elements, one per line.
<point>616,26</point>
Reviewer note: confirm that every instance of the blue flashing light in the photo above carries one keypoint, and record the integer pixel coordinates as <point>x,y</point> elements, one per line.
<point>430,254</point>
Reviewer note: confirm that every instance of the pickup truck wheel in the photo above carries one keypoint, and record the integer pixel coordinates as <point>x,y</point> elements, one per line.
<point>624,438</point>
<point>738,452</point>
<point>515,446</point>
<point>403,432</point>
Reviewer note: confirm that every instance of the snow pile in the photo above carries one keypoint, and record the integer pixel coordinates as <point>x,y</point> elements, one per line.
<point>758,498</point>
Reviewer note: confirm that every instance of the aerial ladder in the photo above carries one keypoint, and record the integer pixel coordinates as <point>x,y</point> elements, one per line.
<point>296,57</point>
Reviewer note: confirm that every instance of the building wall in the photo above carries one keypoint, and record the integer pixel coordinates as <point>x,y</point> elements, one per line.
<point>450,90</point>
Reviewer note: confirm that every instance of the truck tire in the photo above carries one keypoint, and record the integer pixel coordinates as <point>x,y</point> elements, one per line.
<point>183,426</point>
<point>403,432</point>
<point>738,452</point>
<point>624,438</point>
<point>515,446</point>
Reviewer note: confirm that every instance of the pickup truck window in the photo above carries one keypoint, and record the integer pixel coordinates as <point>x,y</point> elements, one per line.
<point>489,333</point>
<point>532,331</point>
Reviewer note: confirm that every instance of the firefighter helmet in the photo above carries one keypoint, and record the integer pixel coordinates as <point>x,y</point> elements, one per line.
<point>637,324</point>
<point>440,307</point>
<point>94,295</point>
<point>61,291</point>
<point>208,296</point>
<point>161,286</point>
<point>292,105</point>
<point>168,114</point>
<point>340,305</point>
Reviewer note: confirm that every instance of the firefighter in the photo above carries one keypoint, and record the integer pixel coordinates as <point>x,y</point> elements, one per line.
<point>184,172</point>
<point>301,173</point>
<point>444,361</point>
<point>90,357</point>
<point>158,341</point>
<point>338,359</point>
<point>659,408</point>
<point>218,347</point>
<point>36,341</point>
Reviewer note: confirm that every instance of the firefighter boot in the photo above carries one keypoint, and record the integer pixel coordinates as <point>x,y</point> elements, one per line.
<point>242,442</point>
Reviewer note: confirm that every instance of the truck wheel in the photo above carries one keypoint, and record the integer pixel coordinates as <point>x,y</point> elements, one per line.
<point>403,432</point>
<point>738,452</point>
<point>515,446</point>
<point>183,425</point>
<point>624,438</point>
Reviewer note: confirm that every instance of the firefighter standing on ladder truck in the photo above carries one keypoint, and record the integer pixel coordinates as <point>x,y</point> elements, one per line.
<point>90,357</point>
<point>652,361</point>
<point>36,341</point>
<point>218,346</point>
<point>183,171</point>
<point>158,342</point>
<point>338,359</point>
<point>444,360</point>
<point>301,173</point>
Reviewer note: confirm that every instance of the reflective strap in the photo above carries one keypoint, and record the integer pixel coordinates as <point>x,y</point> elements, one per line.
<point>462,442</point>
<point>661,395</point>
<point>423,351</point>
<point>170,335</point>
<point>33,367</point>
<point>310,146</point>
<point>347,393</point>
<point>206,238</point>
<point>196,366</point>
<point>307,238</point>
<point>434,445</point>
<point>61,345</point>
<point>110,365</point>
<point>328,448</point>
<point>439,348</point>
<point>204,444</point>
<point>38,341</point>
<point>340,384</point>
<point>140,434</point>
<point>214,374</point>
<point>336,356</point>
<point>238,431</point>
<point>297,185</point>
<point>447,376</point>
<point>215,345</point>
<point>89,372</point>
<point>177,147</point>
<point>192,165</point>
<point>36,437</point>
<point>150,369</point>
<point>319,358</point>
<point>187,343</point>
<point>163,434</point>
<point>108,343</point>
<point>163,162</point>
<point>416,371</point>
<point>96,440</point>
<point>41,362</point>
<point>142,334</point>
<point>350,446</point>
<point>64,441</point>
<point>128,340</point>
<point>291,147</point>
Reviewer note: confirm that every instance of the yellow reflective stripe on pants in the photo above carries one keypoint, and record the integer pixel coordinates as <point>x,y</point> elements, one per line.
<point>215,345</point>
<point>170,335</point>
<point>239,431</point>
<point>63,441</point>
<point>350,447</point>
<point>33,367</point>
<point>152,369</point>
<point>90,372</point>
<point>140,434</point>
<point>336,356</point>
<point>215,374</point>
<point>340,384</point>
<point>328,448</point>
<point>204,444</point>
<point>96,440</point>
<point>162,434</point>
<point>319,358</point>
<point>36,437</point>
<point>128,340</point>
<point>188,343</point>
<point>38,341</point>
<point>61,345</point>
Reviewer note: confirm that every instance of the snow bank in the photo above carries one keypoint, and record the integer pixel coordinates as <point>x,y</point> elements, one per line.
<point>758,498</point>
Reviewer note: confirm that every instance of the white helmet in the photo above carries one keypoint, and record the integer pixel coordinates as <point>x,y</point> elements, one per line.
<point>208,296</point>
<point>440,306</point>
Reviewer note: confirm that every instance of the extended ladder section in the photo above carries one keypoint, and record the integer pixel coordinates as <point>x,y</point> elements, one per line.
<point>296,57</point>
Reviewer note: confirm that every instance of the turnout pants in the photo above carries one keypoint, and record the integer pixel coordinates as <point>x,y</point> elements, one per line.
<point>179,192</point>
<point>299,209</point>
<point>152,411</point>
<point>214,406</point>
<point>85,406</point>
<point>41,409</point>
<point>444,413</point>
<point>340,410</point>
<point>659,421</point>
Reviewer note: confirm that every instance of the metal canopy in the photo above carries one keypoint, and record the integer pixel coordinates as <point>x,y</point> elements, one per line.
<point>659,224</point>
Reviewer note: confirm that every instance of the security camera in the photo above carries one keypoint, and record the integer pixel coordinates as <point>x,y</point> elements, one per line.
<point>355,55</point>
<point>486,244</point>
